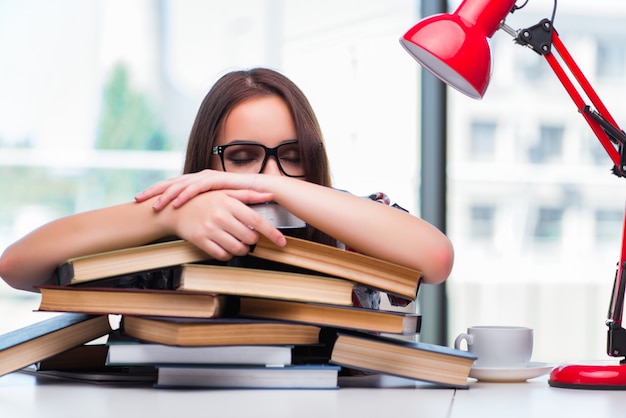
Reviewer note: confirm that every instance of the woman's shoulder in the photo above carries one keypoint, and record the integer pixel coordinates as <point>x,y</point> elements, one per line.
<point>381,197</point>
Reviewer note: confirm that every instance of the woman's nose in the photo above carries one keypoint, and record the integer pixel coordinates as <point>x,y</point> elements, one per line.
<point>271,167</point>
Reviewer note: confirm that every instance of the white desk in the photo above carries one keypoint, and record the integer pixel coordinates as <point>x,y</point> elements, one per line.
<point>536,398</point>
<point>24,396</point>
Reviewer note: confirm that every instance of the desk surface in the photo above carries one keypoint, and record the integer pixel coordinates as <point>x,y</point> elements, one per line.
<point>25,396</point>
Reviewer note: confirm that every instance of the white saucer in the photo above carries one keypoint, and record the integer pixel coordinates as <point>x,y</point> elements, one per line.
<point>520,374</point>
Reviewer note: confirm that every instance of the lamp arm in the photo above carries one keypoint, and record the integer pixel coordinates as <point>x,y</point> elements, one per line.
<point>543,39</point>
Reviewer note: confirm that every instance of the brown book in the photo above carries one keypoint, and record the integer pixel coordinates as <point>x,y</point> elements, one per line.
<point>265,283</point>
<point>368,271</point>
<point>331,315</point>
<point>403,358</point>
<point>226,331</point>
<point>319,258</point>
<point>44,339</point>
<point>101,300</point>
<point>128,260</point>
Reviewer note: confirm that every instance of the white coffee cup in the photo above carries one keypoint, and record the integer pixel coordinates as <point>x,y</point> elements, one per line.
<point>498,346</point>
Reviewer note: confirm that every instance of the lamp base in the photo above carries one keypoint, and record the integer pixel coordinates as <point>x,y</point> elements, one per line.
<point>589,376</point>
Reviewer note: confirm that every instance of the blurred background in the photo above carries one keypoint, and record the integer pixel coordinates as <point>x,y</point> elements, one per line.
<point>98,97</point>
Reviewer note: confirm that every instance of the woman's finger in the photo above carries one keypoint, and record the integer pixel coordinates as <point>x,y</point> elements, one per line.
<point>154,190</point>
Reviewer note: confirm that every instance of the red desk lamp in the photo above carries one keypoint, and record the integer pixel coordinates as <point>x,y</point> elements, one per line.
<point>455,48</point>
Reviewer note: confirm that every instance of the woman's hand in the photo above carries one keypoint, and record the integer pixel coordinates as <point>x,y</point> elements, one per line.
<point>181,189</point>
<point>210,209</point>
<point>220,223</point>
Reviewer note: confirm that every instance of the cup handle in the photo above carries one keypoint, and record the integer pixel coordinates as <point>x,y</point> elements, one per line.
<point>469,339</point>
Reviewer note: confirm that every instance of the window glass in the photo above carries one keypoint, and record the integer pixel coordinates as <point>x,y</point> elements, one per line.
<point>482,140</point>
<point>549,146</point>
<point>610,54</point>
<point>548,226</point>
<point>557,234</point>
<point>608,225</point>
<point>482,222</point>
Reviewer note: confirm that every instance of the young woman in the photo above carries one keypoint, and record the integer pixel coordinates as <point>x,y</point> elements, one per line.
<point>255,139</point>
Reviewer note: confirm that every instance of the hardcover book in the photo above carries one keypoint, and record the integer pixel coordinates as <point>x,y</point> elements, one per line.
<point>126,351</point>
<point>364,319</point>
<point>128,260</point>
<point>323,259</point>
<point>402,358</point>
<point>368,271</point>
<point>44,339</point>
<point>265,283</point>
<point>225,331</point>
<point>242,377</point>
<point>96,300</point>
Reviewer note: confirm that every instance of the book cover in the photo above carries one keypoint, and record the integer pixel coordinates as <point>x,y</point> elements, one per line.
<point>127,351</point>
<point>87,363</point>
<point>331,316</point>
<point>220,331</point>
<point>265,283</point>
<point>108,376</point>
<point>368,271</point>
<point>44,339</point>
<point>85,356</point>
<point>97,300</point>
<point>128,260</point>
<point>242,377</point>
<point>323,259</point>
<point>403,358</point>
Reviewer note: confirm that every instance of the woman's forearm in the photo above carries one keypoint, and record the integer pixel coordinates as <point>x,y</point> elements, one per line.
<point>220,223</point>
<point>367,226</point>
<point>32,259</point>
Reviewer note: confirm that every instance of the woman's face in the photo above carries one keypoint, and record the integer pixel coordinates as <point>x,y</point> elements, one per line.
<point>262,120</point>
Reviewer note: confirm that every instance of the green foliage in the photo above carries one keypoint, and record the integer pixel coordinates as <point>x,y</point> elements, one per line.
<point>128,120</point>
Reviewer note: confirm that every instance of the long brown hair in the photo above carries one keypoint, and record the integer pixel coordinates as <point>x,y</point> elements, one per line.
<point>238,86</point>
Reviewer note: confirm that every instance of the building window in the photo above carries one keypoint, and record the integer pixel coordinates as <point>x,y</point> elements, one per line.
<point>610,56</point>
<point>549,224</point>
<point>482,220</point>
<point>482,141</point>
<point>608,224</point>
<point>532,68</point>
<point>597,154</point>
<point>549,147</point>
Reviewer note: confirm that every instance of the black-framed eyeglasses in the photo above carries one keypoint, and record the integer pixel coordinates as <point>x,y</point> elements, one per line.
<point>251,157</point>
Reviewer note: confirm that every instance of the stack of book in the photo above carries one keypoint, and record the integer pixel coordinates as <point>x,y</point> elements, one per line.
<point>280,317</point>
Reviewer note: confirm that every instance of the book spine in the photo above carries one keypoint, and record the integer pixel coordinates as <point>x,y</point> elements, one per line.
<point>64,274</point>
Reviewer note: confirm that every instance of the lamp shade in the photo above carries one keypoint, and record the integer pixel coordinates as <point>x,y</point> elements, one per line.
<point>455,47</point>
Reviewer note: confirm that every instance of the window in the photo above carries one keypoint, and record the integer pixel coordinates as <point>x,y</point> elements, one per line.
<point>482,141</point>
<point>558,227</point>
<point>530,67</point>
<point>610,59</point>
<point>481,226</point>
<point>608,225</point>
<point>549,147</point>
<point>596,154</point>
<point>548,225</point>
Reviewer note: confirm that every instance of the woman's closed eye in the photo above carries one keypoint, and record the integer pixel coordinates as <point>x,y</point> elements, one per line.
<point>242,156</point>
